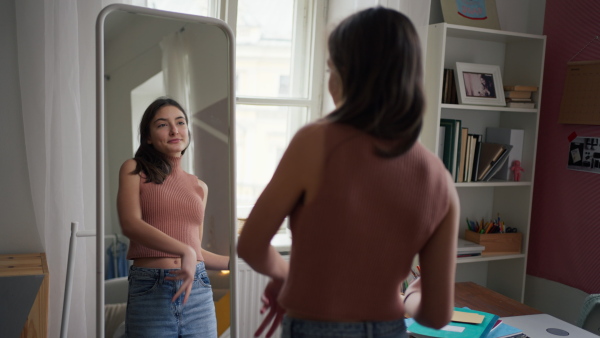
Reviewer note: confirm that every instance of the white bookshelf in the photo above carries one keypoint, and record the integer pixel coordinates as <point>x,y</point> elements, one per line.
<point>521,61</point>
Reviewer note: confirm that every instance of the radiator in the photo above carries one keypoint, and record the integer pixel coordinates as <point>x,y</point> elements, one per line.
<point>250,287</point>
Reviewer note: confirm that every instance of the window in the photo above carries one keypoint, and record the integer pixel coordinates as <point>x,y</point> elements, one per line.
<point>280,63</point>
<point>279,75</point>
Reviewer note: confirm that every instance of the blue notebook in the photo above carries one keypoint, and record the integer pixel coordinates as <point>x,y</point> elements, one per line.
<point>504,330</point>
<point>455,329</point>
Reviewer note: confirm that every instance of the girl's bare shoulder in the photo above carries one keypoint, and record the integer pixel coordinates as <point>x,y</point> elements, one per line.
<point>128,166</point>
<point>311,134</point>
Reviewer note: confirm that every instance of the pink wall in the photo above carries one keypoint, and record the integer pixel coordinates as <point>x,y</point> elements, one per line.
<point>565,232</point>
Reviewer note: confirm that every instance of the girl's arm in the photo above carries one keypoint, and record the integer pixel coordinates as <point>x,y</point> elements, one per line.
<point>431,300</point>
<point>295,181</point>
<point>136,229</point>
<point>213,261</point>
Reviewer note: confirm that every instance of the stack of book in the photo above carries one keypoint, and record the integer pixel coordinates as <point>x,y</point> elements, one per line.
<point>467,156</point>
<point>468,249</point>
<point>519,96</point>
<point>449,87</point>
<point>465,323</point>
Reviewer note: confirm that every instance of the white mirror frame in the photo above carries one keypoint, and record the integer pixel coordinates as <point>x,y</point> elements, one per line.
<point>100,195</point>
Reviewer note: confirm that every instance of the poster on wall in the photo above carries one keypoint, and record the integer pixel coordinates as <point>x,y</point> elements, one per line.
<point>580,101</point>
<point>474,13</point>
<point>584,154</point>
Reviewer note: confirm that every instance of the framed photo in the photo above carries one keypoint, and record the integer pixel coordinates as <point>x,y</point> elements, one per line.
<point>479,84</point>
<point>474,13</point>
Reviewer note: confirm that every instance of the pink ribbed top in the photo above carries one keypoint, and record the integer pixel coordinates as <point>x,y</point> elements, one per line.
<point>354,243</point>
<point>174,207</point>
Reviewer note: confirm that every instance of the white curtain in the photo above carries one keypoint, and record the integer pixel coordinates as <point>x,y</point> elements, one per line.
<point>176,76</point>
<point>56,52</point>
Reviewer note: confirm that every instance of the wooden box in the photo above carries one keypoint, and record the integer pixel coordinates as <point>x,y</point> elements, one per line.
<point>497,243</point>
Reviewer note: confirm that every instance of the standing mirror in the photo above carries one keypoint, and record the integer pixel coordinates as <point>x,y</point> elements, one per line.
<point>143,54</point>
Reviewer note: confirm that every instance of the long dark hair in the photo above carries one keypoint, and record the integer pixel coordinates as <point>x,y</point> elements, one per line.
<point>151,162</point>
<point>377,54</point>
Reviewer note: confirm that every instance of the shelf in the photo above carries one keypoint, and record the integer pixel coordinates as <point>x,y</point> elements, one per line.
<point>521,60</point>
<point>488,258</point>
<point>492,184</point>
<point>465,32</point>
<point>488,108</point>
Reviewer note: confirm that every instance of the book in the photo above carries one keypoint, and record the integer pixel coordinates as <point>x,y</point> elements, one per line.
<point>463,152</point>
<point>451,145</point>
<point>477,139</point>
<point>468,158</point>
<point>518,100</point>
<point>489,154</point>
<point>504,330</point>
<point>474,140</point>
<point>515,94</point>
<point>521,88</point>
<point>515,104</point>
<point>449,87</point>
<point>467,248</point>
<point>455,329</point>
<point>497,164</point>
<point>514,137</point>
<point>446,86</point>
<point>440,150</point>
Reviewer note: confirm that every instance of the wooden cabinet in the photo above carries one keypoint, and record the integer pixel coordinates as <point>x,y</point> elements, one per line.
<point>24,286</point>
<point>521,61</point>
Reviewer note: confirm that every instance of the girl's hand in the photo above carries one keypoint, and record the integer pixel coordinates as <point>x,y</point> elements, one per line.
<point>276,312</point>
<point>186,274</point>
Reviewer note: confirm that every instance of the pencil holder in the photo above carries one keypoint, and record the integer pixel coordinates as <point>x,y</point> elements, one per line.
<point>497,243</point>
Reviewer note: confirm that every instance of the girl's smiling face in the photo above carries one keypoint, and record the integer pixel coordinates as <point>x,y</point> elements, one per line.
<point>169,131</point>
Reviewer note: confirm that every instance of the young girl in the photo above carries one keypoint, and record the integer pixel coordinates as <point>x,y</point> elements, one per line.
<point>161,210</point>
<point>363,196</point>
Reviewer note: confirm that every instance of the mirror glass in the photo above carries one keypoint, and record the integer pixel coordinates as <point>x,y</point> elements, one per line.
<point>146,54</point>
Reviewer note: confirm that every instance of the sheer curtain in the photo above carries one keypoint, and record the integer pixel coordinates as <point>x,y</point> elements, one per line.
<point>176,75</point>
<point>56,48</point>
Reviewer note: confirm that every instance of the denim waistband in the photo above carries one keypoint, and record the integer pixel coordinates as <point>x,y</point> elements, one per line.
<point>350,329</point>
<point>162,273</point>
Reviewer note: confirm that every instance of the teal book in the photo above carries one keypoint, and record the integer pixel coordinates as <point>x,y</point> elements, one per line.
<point>503,330</point>
<point>451,153</point>
<point>456,329</point>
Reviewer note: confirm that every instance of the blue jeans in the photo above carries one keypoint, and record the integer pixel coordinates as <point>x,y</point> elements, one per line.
<point>300,328</point>
<point>150,312</point>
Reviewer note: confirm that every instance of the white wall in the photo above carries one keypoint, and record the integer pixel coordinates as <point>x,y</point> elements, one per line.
<point>523,16</point>
<point>18,230</point>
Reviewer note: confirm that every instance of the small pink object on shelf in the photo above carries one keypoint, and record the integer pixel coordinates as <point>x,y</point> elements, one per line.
<point>516,169</point>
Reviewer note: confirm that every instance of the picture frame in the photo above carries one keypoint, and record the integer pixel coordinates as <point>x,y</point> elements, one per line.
<point>473,13</point>
<point>479,84</point>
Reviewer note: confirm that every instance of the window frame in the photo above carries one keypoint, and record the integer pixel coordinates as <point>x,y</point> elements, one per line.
<point>312,44</point>
<point>314,12</point>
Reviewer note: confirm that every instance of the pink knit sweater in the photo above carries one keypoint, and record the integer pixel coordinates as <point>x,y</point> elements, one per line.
<point>354,243</point>
<point>174,207</point>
